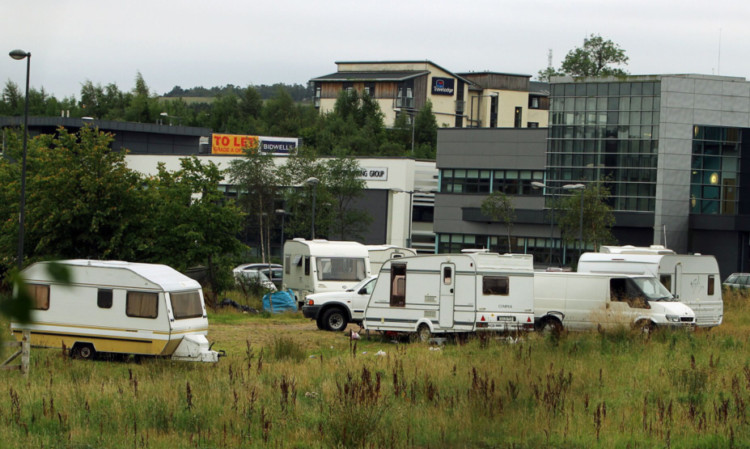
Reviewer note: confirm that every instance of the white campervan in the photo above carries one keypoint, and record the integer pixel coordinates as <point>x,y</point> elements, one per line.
<point>313,266</point>
<point>380,253</point>
<point>117,307</point>
<point>453,293</point>
<point>693,279</point>
<point>581,301</point>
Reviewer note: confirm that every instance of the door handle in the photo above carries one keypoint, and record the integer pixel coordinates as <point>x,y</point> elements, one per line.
<point>451,290</point>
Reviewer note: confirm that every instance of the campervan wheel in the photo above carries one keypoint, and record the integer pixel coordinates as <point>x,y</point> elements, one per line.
<point>645,326</point>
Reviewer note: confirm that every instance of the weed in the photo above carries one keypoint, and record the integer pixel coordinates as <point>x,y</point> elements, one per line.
<point>287,349</point>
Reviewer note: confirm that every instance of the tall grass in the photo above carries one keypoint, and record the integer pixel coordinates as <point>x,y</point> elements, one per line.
<point>305,388</point>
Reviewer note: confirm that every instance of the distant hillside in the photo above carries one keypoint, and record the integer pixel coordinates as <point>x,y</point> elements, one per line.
<point>297,91</point>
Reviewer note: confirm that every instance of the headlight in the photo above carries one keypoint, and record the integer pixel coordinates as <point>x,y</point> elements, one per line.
<point>673,318</point>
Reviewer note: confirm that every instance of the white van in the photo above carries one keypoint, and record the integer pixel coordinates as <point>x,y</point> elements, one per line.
<point>581,301</point>
<point>452,293</point>
<point>693,279</point>
<point>117,307</point>
<point>313,266</point>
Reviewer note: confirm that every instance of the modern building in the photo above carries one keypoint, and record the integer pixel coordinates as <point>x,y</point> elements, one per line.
<point>671,149</point>
<point>481,99</point>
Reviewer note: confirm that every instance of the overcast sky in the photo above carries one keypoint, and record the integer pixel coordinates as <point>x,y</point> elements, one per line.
<point>191,43</point>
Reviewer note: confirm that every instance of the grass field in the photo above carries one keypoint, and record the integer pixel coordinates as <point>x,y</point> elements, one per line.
<point>285,384</point>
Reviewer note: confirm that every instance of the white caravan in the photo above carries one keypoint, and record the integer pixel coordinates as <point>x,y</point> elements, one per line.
<point>117,307</point>
<point>581,301</point>
<point>380,253</point>
<point>452,293</point>
<point>693,279</point>
<point>314,266</point>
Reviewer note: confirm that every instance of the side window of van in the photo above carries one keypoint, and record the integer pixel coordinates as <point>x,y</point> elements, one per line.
<point>104,298</point>
<point>142,305</point>
<point>39,296</point>
<point>495,285</point>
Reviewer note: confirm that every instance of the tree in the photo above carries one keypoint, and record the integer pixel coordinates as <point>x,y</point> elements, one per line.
<point>82,201</point>
<point>598,217</point>
<point>425,132</point>
<point>345,186</point>
<point>193,223</point>
<point>302,165</point>
<point>595,58</point>
<point>498,206</point>
<point>255,177</point>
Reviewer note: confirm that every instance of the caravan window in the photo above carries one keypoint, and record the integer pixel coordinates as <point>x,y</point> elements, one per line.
<point>340,268</point>
<point>186,305</point>
<point>495,285</point>
<point>666,281</point>
<point>710,285</point>
<point>39,296</point>
<point>398,285</point>
<point>142,305</point>
<point>307,266</point>
<point>104,298</point>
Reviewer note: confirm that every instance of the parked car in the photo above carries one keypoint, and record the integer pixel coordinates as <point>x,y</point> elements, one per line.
<point>274,271</point>
<point>253,277</point>
<point>738,280</point>
<point>333,311</point>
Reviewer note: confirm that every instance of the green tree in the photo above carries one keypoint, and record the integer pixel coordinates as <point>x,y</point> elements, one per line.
<point>193,224</point>
<point>595,58</point>
<point>425,132</point>
<point>344,186</point>
<point>302,165</point>
<point>499,207</point>
<point>598,217</point>
<point>255,178</point>
<point>82,201</point>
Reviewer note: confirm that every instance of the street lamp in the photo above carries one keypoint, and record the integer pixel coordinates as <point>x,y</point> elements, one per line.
<point>313,181</point>
<point>283,214</point>
<point>19,55</point>
<point>541,185</point>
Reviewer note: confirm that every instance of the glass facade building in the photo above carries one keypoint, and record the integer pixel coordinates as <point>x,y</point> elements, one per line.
<point>714,176</point>
<point>606,131</point>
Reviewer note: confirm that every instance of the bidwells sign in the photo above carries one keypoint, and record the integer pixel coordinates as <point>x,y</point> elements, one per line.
<point>443,86</point>
<point>236,145</point>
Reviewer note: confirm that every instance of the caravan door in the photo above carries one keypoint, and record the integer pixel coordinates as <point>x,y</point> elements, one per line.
<point>447,294</point>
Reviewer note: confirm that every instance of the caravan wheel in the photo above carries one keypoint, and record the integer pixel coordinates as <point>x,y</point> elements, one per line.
<point>423,333</point>
<point>83,351</point>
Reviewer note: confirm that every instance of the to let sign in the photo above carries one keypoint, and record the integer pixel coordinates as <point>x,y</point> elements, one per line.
<point>232,143</point>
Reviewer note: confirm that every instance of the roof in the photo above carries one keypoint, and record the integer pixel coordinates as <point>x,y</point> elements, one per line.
<point>374,75</point>
<point>166,277</point>
<point>105,125</point>
<point>344,76</point>
<point>539,88</point>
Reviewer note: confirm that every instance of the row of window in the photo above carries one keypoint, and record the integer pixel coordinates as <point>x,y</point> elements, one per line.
<point>137,304</point>
<point>636,146</point>
<point>636,88</point>
<point>714,186</point>
<point>605,118</point>
<point>605,104</point>
<point>605,132</point>
<point>471,181</point>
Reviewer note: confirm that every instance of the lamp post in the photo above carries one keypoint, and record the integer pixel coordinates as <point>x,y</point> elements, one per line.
<point>541,185</point>
<point>283,214</point>
<point>313,181</point>
<point>19,55</point>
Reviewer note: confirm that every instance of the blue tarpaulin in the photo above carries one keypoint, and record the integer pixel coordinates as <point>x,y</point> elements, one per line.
<point>282,301</point>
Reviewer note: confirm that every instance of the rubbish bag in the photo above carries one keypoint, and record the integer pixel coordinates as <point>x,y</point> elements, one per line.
<point>282,301</point>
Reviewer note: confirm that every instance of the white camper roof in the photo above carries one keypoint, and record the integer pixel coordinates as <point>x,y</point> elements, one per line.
<point>163,276</point>
<point>321,247</point>
<point>630,249</point>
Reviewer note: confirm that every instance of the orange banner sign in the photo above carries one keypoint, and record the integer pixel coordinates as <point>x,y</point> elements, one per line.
<point>232,143</point>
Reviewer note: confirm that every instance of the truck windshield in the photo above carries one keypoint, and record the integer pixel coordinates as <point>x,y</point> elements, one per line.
<point>653,289</point>
<point>340,268</point>
<point>186,305</point>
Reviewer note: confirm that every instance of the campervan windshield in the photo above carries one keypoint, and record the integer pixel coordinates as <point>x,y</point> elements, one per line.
<point>653,290</point>
<point>341,268</point>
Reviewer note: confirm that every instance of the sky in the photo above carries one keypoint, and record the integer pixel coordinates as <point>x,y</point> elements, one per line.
<point>191,43</point>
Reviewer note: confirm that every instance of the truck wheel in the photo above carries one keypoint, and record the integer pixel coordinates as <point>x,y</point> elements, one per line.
<point>335,320</point>
<point>319,323</point>
<point>423,333</point>
<point>645,326</point>
<point>83,351</point>
<point>550,326</point>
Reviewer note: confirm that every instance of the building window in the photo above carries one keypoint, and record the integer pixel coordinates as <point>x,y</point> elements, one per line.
<point>317,96</point>
<point>533,102</point>
<point>493,111</point>
<point>714,181</point>
<point>518,116</point>
<point>533,125</point>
